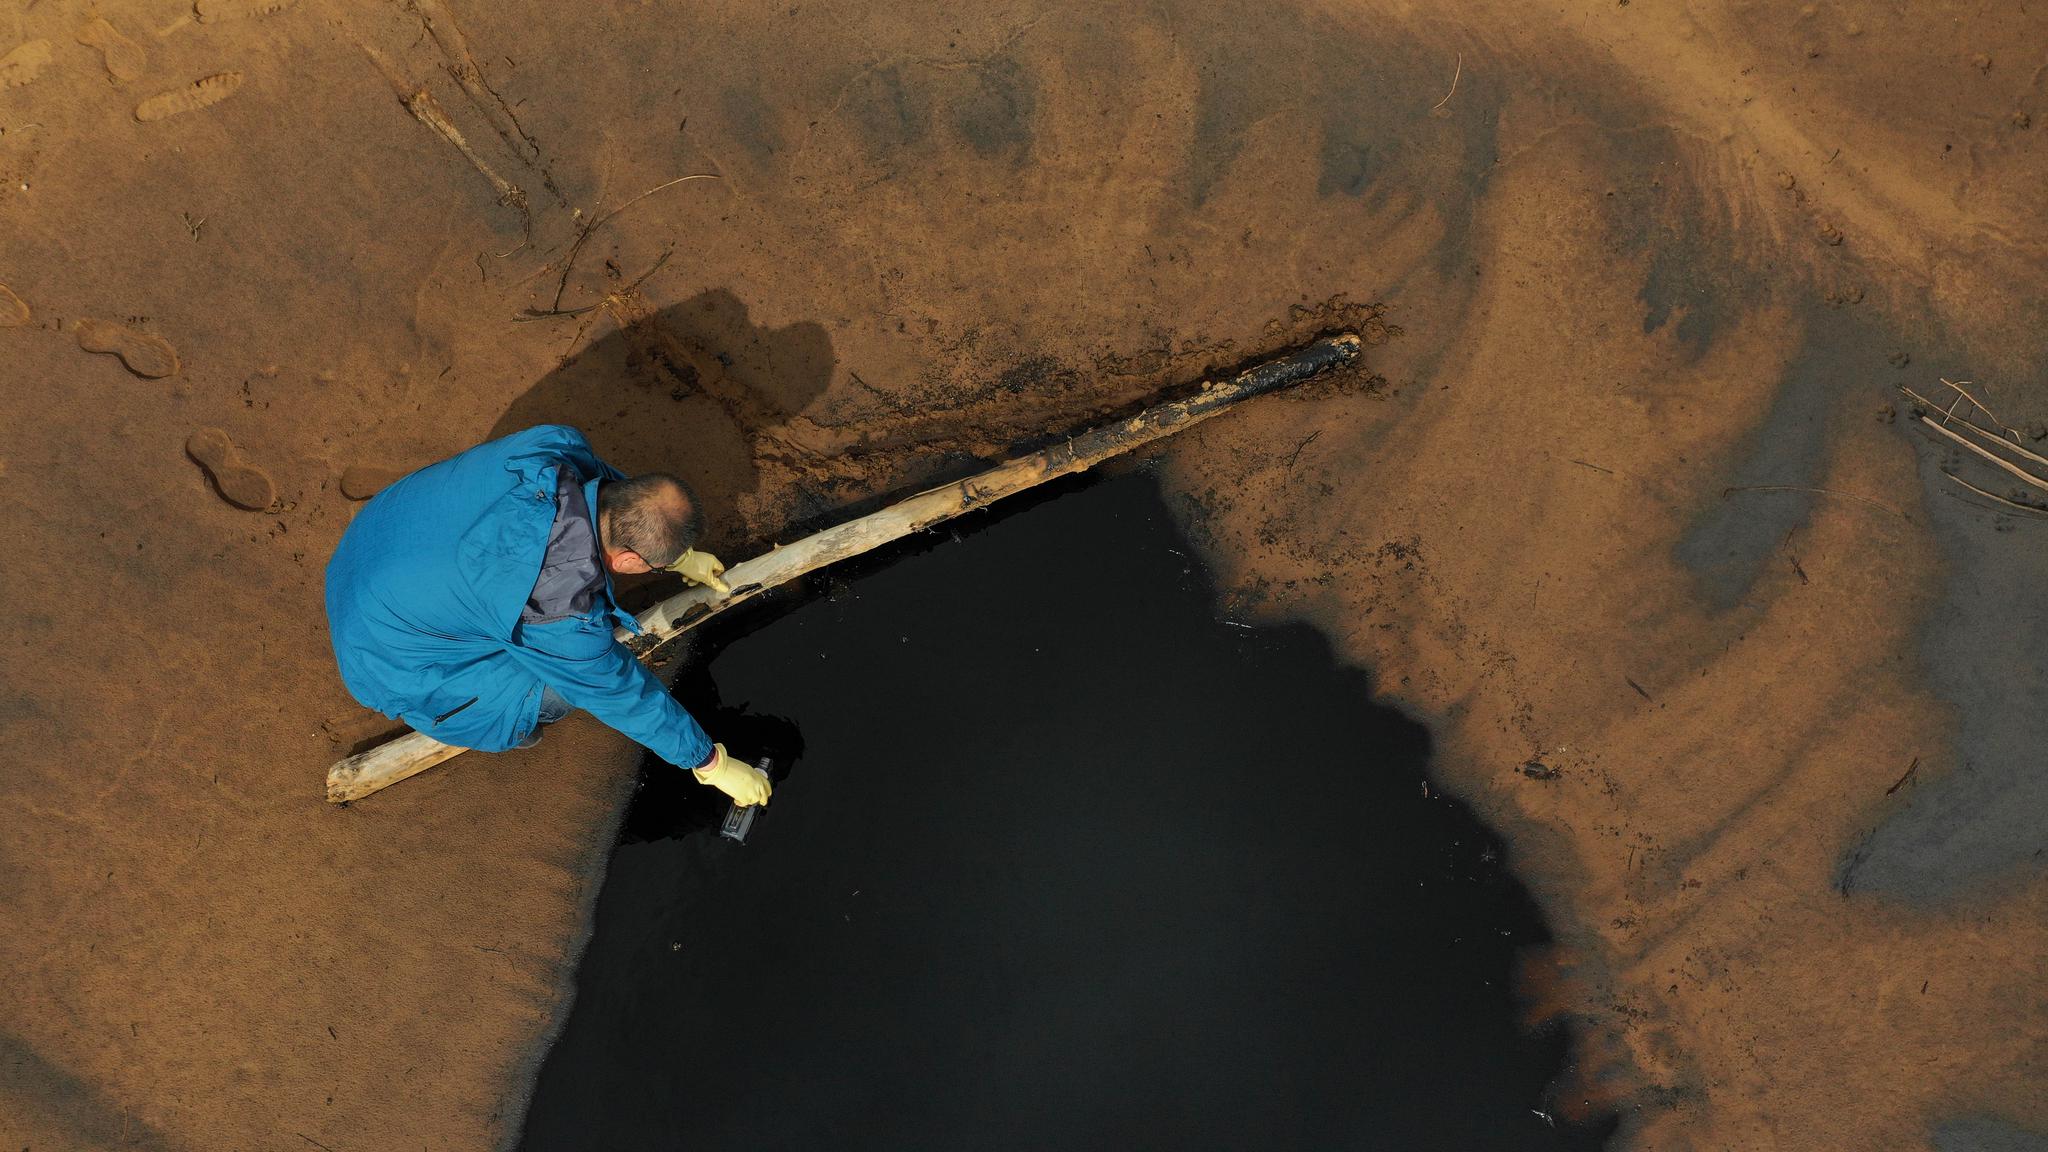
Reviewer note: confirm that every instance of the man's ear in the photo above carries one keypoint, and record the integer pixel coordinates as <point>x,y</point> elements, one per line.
<point>627,562</point>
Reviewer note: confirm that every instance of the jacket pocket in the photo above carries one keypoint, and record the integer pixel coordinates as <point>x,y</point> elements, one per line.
<point>443,717</point>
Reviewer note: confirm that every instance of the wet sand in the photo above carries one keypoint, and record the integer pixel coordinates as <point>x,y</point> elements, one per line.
<point>1625,488</point>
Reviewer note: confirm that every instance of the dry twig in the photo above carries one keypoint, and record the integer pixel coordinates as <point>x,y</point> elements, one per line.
<point>1455,73</point>
<point>1726,492</point>
<point>1970,426</point>
<point>2029,509</point>
<point>2007,465</point>
<point>1992,416</point>
<point>1901,781</point>
<point>599,221</point>
<point>609,300</point>
<point>1296,454</point>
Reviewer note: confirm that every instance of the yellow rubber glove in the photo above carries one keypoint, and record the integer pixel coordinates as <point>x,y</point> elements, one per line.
<point>701,568</point>
<point>746,784</point>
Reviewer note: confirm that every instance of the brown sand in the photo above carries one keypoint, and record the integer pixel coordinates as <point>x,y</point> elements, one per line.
<point>1634,257</point>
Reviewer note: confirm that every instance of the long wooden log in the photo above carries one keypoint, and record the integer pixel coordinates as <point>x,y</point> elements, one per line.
<point>409,755</point>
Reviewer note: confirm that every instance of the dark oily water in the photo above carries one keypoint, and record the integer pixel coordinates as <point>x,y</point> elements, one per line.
<point>1066,862</point>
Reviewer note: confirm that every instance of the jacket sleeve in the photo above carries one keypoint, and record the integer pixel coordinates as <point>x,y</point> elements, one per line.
<point>578,658</point>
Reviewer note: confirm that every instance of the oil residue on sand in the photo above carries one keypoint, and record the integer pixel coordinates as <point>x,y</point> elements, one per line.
<point>1067,861</point>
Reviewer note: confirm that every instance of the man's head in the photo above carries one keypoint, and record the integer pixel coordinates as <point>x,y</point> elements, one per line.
<point>644,523</point>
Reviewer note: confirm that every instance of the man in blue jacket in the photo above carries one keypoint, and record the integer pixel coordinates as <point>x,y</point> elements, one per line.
<point>473,600</point>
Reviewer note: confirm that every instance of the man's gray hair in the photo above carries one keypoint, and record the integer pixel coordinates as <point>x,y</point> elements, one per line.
<point>653,514</point>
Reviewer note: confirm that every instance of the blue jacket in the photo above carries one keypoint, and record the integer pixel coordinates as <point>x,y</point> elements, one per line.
<point>424,601</point>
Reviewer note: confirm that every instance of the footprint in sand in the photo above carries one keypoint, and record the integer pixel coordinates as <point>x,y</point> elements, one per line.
<point>204,92</point>
<point>239,482</point>
<point>22,64</point>
<point>123,57</point>
<point>13,309</point>
<point>215,11</point>
<point>361,481</point>
<point>144,354</point>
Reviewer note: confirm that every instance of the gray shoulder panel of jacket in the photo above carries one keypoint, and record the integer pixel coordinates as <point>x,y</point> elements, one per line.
<point>571,573</point>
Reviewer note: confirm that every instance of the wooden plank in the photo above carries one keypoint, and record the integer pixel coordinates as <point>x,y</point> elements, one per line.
<point>409,755</point>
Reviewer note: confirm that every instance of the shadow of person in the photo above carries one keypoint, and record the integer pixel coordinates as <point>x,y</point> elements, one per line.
<point>695,389</point>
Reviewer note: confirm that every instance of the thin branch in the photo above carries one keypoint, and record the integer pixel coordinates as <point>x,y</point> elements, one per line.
<point>2015,469</point>
<point>2020,449</point>
<point>2001,441</point>
<point>569,265</point>
<point>658,187</point>
<point>2029,509</point>
<point>2003,426</point>
<point>1725,492</point>
<point>1948,414</point>
<point>599,221</point>
<point>659,261</point>
<point>1296,454</point>
<point>1455,73</point>
<point>529,315</point>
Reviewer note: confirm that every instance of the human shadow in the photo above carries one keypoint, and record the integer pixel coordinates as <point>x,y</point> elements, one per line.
<point>693,389</point>
<point>43,1094</point>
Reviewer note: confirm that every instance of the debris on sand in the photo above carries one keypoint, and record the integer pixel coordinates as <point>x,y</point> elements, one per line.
<point>145,355</point>
<point>239,482</point>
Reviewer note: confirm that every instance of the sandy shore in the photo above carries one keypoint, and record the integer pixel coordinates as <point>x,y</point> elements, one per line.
<point>1625,490</point>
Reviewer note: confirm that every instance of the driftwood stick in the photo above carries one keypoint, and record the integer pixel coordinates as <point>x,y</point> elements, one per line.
<point>413,753</point>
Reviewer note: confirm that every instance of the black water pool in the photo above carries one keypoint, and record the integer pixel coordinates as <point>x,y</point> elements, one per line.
<point>1066,861</point>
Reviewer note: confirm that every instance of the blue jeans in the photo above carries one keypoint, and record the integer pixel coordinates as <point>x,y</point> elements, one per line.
<point>552,708</point>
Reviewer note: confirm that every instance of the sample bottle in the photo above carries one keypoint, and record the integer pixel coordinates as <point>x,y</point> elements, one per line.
<point>739,819</point>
